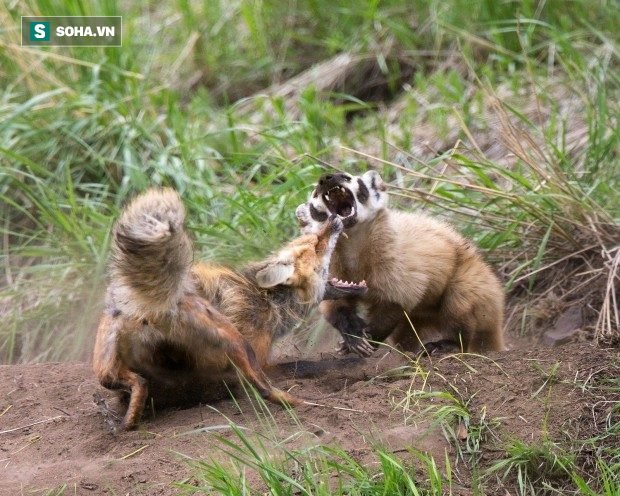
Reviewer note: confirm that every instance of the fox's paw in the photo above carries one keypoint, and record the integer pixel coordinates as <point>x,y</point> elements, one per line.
<point>356,344</point>
<point>109,417</point>
<point>335,224</point>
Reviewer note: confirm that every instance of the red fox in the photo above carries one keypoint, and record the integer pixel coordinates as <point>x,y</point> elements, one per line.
<point>166,319</point>
<point>413,264</point>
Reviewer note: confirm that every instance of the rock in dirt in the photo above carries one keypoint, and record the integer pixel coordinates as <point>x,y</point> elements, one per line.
<point>423,438</point>
<point>566,327</point>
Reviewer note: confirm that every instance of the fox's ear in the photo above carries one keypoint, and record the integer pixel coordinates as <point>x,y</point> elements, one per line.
<point>275,273</point>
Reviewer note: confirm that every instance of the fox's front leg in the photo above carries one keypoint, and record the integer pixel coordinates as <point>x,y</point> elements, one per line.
<point>111,370</point>
<point>328,237</point>
<point>343,316</point>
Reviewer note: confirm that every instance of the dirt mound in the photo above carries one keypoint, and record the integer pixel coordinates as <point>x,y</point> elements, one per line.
<point>52,434</point>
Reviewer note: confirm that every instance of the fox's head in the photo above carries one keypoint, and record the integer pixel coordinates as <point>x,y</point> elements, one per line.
<point>355,199</point>
<point>303,266</point>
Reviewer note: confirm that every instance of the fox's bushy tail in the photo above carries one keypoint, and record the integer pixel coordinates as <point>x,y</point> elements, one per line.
<point>151,255</point>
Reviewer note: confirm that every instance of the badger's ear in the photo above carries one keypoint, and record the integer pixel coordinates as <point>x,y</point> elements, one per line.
<point>277,272</point>
<point>373,180</point>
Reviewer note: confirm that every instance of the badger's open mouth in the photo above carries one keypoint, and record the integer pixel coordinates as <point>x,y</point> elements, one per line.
<point>336,288</point>
<point>340,201</point>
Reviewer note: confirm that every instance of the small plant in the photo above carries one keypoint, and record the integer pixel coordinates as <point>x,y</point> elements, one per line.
<point>534,465</point>
<point>549,377</point>
<point>606,482</point>
<point>474,435</point>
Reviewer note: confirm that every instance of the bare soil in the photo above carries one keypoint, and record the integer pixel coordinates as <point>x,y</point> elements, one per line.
<point>52,433</point>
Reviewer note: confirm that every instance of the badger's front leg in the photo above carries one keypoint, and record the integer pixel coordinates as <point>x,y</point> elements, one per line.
<point>354,330</point>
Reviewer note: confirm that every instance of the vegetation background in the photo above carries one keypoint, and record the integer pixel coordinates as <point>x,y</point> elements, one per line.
<point>501,116</point>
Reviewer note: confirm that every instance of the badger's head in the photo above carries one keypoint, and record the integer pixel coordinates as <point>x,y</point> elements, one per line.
<point>355,199</point>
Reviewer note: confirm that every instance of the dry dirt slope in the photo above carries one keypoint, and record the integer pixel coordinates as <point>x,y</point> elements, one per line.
<point>51,432</point>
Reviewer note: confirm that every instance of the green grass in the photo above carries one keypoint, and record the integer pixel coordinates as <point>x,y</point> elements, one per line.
<point>289,459</point>
<point>562,462</point>
<point>267,452</point>
<point>535,466</point>
<point>83,129</point>
<point>501,116</point>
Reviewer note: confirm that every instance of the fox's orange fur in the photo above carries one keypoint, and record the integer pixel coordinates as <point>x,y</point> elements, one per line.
<point>167,319</point>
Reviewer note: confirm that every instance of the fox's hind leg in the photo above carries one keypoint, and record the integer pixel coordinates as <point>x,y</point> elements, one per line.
<point>243,358</point>
<point>213,333</point>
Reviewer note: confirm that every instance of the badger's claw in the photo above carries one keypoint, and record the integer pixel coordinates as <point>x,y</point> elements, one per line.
<point>356,344</point>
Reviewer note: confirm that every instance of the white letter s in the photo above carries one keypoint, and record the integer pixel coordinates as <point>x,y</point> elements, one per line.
<point>39,30</point>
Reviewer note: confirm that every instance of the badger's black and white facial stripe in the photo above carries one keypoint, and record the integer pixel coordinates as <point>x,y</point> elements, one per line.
<point>354,199</point>
<point>317,215</point>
